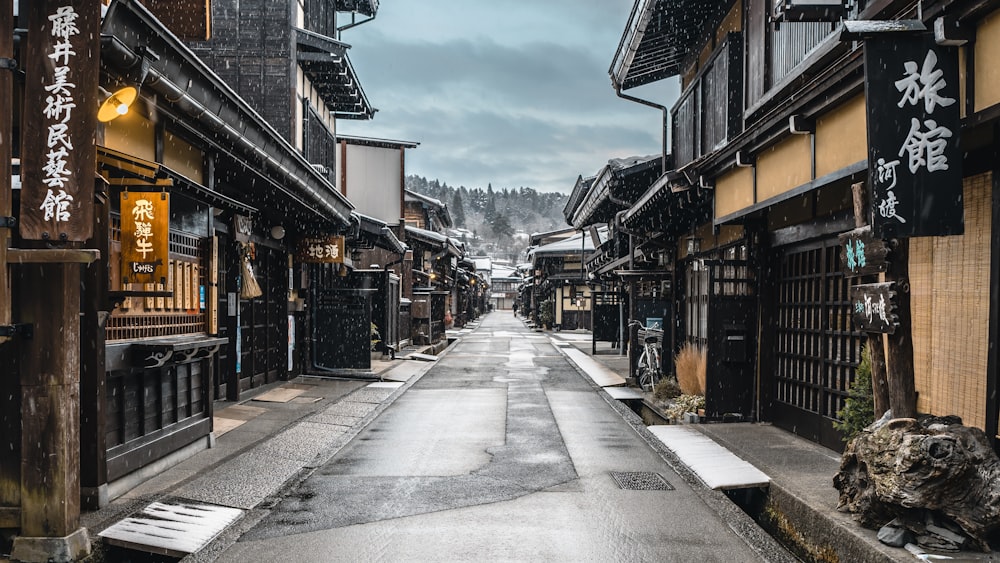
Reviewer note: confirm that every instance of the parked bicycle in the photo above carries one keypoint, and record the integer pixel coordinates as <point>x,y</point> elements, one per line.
<point>648,368</point>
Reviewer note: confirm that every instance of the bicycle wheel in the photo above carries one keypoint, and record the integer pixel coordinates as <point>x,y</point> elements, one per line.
<point>644,372</point>
<point>655,373</point>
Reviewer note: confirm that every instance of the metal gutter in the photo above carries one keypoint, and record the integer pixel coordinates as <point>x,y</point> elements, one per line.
<point>664,109</point>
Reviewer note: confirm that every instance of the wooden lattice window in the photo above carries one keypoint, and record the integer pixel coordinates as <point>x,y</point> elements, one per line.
<point>696,302</point>
<point>817,346</point>
<point>145,317</point>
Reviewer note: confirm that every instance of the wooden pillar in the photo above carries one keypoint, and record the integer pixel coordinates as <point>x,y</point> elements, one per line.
<point>876,349</point>
<point>992,377</point>
<point>6,152</point>
<point>93,378</point>
<point>10,392</point>
<point>48,276</point>
<point>50,401</point>
<point>902,389</point>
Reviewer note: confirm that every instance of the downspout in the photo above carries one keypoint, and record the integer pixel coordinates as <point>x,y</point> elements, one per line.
<point>664,109</point>
<point>663,170</point>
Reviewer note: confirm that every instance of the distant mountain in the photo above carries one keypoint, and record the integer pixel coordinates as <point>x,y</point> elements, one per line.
<point>497,219</point>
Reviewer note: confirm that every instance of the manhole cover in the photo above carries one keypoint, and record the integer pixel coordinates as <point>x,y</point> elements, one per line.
<point>641,481</point>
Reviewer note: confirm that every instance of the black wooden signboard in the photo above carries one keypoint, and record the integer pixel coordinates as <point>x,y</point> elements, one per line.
<point>914,159</point>
<point>60,117</point>
<point>873,307</point>
<point>861,253</point>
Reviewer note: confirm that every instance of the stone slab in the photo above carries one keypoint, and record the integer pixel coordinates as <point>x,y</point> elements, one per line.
<point>279,395</point>
<point>594,370</point>
<point>717,467</point>
<point>175,529</point>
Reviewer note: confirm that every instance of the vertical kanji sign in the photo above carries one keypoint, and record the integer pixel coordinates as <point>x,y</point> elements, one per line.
<point>60,118</point>
<point>914,158</point>
<point>145,236</point>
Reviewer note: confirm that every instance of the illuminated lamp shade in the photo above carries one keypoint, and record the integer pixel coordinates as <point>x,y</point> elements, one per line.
<point>117,104</point>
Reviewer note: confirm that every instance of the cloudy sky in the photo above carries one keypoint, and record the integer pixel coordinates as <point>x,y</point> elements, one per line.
<point>510,92</point>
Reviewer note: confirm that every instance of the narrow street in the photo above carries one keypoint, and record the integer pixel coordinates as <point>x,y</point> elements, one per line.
<point>502,451</point>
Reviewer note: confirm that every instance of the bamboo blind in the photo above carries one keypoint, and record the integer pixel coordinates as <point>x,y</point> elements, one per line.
<point>949,280</point>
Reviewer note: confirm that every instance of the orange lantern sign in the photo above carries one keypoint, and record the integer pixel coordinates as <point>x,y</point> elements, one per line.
<point>145,236</point>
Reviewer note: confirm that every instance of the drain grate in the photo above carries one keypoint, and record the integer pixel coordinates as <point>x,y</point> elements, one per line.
<point>641,481</point>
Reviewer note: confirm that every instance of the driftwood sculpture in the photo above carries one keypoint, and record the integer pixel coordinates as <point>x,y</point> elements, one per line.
<point>904,467</point>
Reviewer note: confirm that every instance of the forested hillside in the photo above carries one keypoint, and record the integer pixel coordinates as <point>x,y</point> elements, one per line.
<point>500,219</point>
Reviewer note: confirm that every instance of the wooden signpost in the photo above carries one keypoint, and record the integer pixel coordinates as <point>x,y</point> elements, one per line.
<point>58,164</point>
<point>866,256</point>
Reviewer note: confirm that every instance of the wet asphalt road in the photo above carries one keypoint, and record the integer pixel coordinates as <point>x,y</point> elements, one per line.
<point>501,452</point>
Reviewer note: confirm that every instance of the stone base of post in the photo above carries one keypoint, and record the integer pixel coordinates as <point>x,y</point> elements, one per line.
<point>73,547</point>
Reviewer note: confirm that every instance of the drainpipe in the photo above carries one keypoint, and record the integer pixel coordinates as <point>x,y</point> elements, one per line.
<point>663,170</point>
<point>661,107</point>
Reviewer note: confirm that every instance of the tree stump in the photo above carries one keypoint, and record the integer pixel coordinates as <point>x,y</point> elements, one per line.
<point>904,467</point>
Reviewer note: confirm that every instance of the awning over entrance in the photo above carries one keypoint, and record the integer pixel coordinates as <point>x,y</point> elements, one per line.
<point>668,209</point>
<point>126,170</point>
<point>579,243</point>
<point>324,61</point>
<point>434,240</point>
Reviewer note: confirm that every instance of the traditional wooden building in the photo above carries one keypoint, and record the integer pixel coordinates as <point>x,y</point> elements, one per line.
<point>772,130</point>
<point>231,195</point>
<point>425,212</point>
<point>622,270</point>
<point>287,60</point>
<point>435,270</point>
<point>560,296</point>
<point>371,173</point>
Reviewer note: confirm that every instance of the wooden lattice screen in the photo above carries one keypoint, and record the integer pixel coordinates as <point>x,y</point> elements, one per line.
<point>817,348</point>
<point>144,317</point>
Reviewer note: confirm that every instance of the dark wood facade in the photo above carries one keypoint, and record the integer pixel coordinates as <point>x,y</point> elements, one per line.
<point>154,357</point>
<point>775,155</point>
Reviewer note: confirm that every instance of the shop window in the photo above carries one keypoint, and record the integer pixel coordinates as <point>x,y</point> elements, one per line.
<point>146,317</point>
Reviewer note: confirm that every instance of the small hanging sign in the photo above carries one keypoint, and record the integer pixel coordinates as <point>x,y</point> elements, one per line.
<point>321,250</point>
<point>145,236</point>
<point>861,253</point>
<point>873,307</point>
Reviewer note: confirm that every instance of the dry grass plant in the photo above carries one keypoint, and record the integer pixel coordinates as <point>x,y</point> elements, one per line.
<point>691,365</point>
